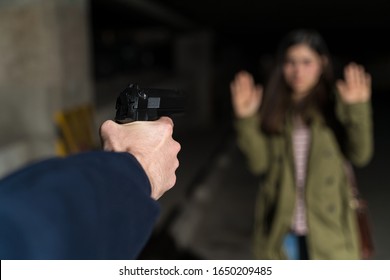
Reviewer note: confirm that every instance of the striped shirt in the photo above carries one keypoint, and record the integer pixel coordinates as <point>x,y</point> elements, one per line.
<point>301,143</point>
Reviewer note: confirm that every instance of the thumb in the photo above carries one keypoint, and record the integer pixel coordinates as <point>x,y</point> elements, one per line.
<point>341,86</point>
<point>259,93</point>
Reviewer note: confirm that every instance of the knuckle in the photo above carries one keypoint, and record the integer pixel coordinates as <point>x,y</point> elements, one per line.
<point>173,181</point>
<point>166,120</point>
<point>106,127</point>
<point>178,146</point>
<point>168,128</point>
<point>177,164</point>
<point>166,125</point>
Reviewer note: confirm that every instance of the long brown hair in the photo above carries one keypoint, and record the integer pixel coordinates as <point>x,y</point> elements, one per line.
<point>278,95</point>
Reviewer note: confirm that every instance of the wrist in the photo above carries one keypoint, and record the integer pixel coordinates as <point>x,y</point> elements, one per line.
<point>150,174</point>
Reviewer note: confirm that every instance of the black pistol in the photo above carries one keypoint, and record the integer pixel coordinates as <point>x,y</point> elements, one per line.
<point>147,104</point>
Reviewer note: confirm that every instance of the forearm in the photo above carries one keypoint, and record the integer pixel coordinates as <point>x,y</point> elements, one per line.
<point>357,120</point>
<point>252,143</point>
<point>85,207</point>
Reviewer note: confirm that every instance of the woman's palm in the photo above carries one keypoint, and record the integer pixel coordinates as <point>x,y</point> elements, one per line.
<point>246,96</point>
<point>356,86</point>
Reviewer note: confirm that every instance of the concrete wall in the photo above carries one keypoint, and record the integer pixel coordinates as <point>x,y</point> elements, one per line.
<point>44,67</point>
<point>193,65</point>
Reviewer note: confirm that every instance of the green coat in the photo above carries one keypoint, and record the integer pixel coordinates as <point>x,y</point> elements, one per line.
<point>332,228</point>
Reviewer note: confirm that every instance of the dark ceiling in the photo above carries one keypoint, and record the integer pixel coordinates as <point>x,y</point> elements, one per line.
<point>250,14</point>
<point>247,14</point>
<point>255,14</point>
<point>253,22</point>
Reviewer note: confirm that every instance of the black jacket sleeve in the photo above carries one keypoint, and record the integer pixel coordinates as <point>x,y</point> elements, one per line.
<point>93,205</point>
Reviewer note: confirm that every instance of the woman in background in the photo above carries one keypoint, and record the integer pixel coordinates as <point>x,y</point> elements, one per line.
<point>299,133</point>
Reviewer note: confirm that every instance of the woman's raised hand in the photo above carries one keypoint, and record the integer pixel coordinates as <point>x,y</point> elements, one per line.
<point>356,86</point>
<point>246,96</point>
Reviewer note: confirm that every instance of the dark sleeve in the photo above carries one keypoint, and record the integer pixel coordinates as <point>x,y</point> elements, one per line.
<point>94,205</point>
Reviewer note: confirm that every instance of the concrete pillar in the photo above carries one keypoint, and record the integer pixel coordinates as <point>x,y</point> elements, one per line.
<point>44,67</point>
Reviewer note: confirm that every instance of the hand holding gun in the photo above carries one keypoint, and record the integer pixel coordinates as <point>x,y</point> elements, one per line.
<point>147,104</point>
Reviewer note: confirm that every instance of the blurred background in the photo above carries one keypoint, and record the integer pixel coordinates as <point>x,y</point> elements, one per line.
<point>64,62</point>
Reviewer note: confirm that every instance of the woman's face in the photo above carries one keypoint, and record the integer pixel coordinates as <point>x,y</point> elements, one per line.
<point>302,69</point>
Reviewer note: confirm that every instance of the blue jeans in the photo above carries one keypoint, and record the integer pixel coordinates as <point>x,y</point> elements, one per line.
<point>295,247</point>
<point>291,246</point>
